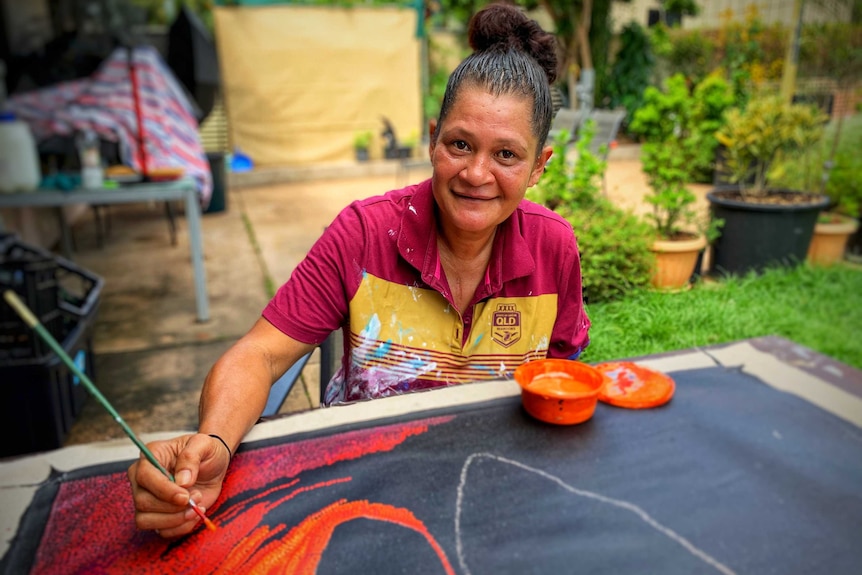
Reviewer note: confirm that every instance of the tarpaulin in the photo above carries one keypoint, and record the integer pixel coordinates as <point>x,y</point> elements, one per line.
<point>103,102</point>
<point>299,81</point>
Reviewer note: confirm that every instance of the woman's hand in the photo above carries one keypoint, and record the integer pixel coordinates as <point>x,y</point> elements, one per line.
<point>199,463</point>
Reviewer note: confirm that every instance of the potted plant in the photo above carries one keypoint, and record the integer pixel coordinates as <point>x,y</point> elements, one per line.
<point>835,226</point>
<point>680,237</point>
<point>834,50</point>
<point>764,225</point>
<point>361,145</point>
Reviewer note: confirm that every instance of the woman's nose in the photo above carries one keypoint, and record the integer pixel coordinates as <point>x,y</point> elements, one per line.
<point>477,171</point>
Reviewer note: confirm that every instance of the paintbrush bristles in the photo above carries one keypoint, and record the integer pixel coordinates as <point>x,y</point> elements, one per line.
<point>210,525</point>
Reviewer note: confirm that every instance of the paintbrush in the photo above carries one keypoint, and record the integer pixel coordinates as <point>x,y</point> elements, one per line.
<point>30,319</point>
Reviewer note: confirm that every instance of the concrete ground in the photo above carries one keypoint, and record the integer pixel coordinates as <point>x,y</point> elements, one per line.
<point>152,355</point>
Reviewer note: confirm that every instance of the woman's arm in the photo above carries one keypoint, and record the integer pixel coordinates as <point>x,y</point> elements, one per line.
<point>233,398</point>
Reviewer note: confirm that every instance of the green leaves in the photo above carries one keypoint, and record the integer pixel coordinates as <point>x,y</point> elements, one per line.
<point>362,140</point>
<point>632,69</point>
<point>678,125</point>
<point>768,128</point>
<point>672,202</point>
<point>689,116</point>
<point>571,182</point>
<point>614,245</point>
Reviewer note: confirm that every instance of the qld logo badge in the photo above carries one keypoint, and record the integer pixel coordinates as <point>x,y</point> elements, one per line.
<point>506,321</point>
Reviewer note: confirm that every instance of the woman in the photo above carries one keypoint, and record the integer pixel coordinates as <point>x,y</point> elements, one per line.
<point>452,280</point>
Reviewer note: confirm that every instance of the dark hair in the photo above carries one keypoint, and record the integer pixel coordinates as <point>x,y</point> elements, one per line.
<point>511,55</point>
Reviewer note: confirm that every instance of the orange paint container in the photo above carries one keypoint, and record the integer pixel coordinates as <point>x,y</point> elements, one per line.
<point>560,391</point>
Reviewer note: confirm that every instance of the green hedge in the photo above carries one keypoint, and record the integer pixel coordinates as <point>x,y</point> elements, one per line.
<point>614,244</point>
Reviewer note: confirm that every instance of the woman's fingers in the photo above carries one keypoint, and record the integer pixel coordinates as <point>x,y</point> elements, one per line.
<point>168,524</point>
<point>161,504</point>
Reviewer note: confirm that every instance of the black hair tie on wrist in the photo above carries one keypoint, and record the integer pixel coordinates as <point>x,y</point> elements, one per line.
<point>223,442</point>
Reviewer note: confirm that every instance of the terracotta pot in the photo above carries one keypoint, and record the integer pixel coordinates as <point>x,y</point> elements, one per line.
<point>829,241</point>
<point>675,262</point>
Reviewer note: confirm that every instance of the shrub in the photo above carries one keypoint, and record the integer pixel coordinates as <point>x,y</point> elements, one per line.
<point>741,54</point>
<point>614,247</point>
<point>673,215</point>
<point>362,139</point>
<point>768,129</point>
<point>614,244</point>
<point>672,202</point>
<point>844,186</point>
<point>571,184</point>
<point>691,117</point>
<point>843,181</point>
<point>691,53</point>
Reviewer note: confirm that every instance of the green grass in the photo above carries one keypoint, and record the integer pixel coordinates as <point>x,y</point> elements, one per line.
<point>820,308</point>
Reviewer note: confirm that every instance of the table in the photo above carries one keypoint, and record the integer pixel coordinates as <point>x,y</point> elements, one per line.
<point>183,189</point>
<point>752,467</point>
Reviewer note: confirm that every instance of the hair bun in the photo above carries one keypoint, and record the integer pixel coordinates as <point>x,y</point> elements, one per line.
<point>505,27</point>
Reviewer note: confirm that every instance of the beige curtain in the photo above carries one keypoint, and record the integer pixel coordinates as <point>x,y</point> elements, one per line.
<point>299,82</point>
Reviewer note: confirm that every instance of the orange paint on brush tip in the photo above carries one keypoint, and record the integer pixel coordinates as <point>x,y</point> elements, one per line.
<point>207,521</point>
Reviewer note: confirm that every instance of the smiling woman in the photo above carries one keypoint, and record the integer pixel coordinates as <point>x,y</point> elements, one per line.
<point>452,280</point>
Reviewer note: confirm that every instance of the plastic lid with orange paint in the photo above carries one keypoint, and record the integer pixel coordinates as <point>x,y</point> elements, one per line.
<point>633,386</point>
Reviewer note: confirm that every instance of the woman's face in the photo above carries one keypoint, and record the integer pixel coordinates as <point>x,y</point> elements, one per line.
<point>484,159</point>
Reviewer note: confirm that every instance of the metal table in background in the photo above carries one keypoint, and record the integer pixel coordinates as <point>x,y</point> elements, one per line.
<point>184,189</point>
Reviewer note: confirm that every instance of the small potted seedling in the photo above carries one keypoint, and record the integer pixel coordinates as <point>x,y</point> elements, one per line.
<point>361,145</point>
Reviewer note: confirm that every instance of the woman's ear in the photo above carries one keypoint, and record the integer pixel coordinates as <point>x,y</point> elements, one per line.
<point>432,133</point>
<point>541,162</point>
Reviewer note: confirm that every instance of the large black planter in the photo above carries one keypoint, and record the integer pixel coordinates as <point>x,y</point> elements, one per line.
<point>757,236</point>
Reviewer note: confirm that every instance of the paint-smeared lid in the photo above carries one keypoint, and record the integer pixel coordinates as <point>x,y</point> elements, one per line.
<point>633,386</point>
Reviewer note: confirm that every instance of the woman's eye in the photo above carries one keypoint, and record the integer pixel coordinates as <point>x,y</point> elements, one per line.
<point>460,144</point>
<point>507,155</point>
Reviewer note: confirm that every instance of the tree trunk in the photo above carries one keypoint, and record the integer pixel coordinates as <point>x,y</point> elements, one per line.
<point>586,88</point>
<point>566,20</point>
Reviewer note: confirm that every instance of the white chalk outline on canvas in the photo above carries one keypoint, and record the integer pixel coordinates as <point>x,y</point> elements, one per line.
<point>643,515</point>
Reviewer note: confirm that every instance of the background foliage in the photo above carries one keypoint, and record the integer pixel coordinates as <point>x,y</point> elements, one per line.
<point>838,174</point>
<point>631,72</point>
<point>690,116</point>
<point>614,244</point>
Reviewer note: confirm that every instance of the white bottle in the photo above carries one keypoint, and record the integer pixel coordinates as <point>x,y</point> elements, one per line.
<point>92,173</point>
<point>19,159</point>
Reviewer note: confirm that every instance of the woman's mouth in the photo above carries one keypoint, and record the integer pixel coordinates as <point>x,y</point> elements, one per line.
<point>470,197</point>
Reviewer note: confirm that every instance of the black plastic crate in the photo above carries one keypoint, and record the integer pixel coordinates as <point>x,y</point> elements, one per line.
<point>34,279</point>
<point>40,398</point>
<point>58,292</point>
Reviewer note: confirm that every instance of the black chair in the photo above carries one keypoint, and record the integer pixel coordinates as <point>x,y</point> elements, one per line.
<point>331,351</point>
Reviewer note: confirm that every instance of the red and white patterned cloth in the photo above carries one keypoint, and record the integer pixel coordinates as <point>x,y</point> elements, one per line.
<point>104,103</point>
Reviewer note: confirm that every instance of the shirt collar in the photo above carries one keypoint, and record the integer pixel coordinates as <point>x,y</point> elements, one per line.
<point>417,244</point>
